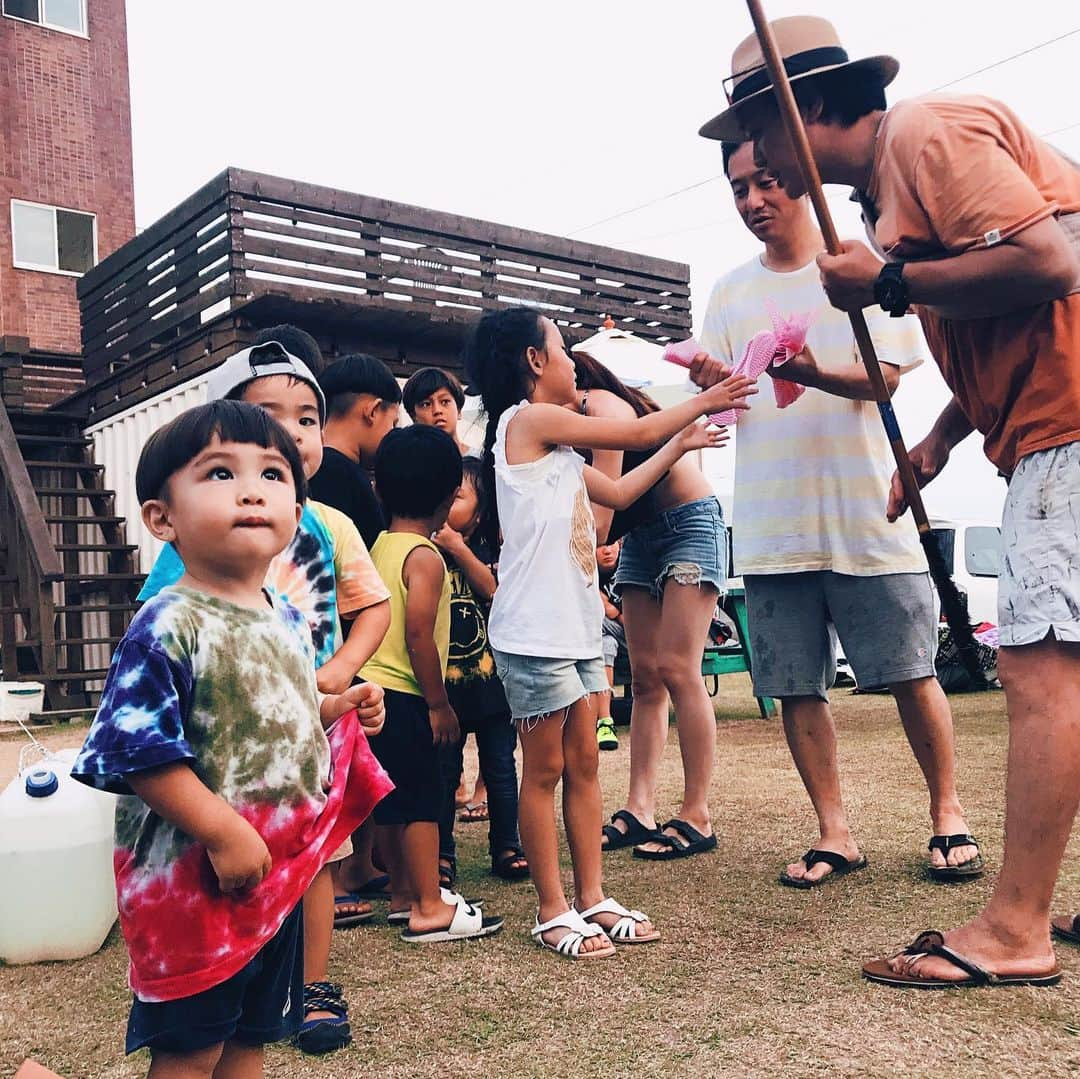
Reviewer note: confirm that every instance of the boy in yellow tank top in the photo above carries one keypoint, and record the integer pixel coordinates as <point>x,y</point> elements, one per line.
<point>417,475</point>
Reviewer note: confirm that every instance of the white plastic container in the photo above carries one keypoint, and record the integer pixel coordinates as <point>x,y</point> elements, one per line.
<point>19,699</point>
<point>57,892</point>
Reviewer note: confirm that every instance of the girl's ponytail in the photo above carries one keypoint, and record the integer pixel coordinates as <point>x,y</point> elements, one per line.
<point>495,365</point>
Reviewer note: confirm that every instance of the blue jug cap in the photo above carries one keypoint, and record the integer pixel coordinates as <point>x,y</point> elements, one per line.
<point>41,783</point>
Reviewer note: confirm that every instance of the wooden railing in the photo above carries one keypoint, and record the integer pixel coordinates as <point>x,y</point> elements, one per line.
<point>31,564</point>
<point>244,235</point>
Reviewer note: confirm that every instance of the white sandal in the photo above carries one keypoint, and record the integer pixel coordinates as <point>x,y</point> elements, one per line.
<point>578,931</point>
<point>625,930</point>
<point>468,923</point>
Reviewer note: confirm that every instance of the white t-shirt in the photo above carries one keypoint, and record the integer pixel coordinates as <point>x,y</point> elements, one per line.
<point>811,480</point>
<point>548,600</point>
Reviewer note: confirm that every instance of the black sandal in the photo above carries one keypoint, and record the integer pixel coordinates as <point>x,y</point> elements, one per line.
<point>840,866</point>
<point>502,865</point>
<point>447,872</point>
<point>968,870</point>
<point>325,1035</point>
<point>635,833</point>
<point>1066,927</point>
<point>688,841</point>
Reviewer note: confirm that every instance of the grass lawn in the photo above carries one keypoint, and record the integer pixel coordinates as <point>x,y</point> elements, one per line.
<point>751,979</point>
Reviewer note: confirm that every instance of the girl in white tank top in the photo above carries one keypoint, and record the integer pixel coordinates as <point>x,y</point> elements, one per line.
<point>545,623</point>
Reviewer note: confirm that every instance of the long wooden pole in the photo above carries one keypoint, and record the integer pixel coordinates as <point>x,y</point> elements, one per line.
<point>951,603</point>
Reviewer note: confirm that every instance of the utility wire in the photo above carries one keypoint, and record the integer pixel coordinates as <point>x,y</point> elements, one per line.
<point>943,86</point>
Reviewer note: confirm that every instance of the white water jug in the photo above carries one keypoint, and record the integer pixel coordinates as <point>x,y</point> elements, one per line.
<point>57,892</point>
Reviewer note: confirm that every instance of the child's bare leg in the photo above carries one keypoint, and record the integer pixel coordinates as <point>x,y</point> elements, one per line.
<point>318,932</point>
<point>542,767</point>
<point>420,854</point>
<point>240,1062</point>
<point>197,1065</point>
<point>389,838</point>
<point>356,870</point>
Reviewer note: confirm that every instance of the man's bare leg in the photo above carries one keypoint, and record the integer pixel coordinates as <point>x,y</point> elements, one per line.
<point>811,737</point>
<point>928,724</point>
<point>1011,935</point>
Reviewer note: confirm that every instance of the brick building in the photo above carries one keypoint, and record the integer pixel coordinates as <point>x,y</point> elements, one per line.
<point>66,190</point>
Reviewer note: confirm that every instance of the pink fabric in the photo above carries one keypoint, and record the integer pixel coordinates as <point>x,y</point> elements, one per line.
<point>768,348</point>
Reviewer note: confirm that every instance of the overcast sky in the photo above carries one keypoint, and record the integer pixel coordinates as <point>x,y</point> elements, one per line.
<point>550,116</point>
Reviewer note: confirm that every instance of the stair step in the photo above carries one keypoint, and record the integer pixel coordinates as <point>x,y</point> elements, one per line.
<point>94,608</point>
<point>81,519</point>
<point>95,578</point>
<point>89,493</point>
<point>75,466</point>
<point>119,548</point>
<point>67,675</point>
<point>32,642</point>
<point>52,440</point>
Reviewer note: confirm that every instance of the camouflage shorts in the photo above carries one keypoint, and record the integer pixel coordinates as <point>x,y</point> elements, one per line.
<point>1039,588</point>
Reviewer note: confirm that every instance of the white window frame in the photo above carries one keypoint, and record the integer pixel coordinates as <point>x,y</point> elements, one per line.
<point>56,242</point>
<point>84,33</point>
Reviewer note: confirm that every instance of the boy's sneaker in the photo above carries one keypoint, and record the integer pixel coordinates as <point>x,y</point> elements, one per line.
<point>606,738</point>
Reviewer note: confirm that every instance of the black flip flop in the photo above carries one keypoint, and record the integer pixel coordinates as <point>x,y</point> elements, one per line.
<point>968,870</point>
<point>376,888</point>
<point>933,943</point>
<point>840,865</point>
<point>1066,927</point>
<point>635,833</point>
<point>689,841</point>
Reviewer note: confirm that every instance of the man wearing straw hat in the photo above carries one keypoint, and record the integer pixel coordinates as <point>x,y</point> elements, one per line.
<point>970,210</point>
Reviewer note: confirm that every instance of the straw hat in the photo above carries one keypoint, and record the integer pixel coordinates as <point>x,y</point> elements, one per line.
<point>808,46</point>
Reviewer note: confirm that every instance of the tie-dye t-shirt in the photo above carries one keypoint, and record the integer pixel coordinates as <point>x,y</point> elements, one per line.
<point>325,572</point>
<point>231,691</point>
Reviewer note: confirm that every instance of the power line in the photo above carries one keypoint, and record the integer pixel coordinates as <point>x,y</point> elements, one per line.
<point>943,86</point>
<point>1006,60</point>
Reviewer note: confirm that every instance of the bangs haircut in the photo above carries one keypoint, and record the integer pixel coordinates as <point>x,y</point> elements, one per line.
<point>426,383</point>
<point>181,440</point>
<point>472,472</point>
<point>416,470</point>
<point>344,380</point>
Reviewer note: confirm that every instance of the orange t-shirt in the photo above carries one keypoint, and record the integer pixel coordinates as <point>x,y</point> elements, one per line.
<point>953,174</point>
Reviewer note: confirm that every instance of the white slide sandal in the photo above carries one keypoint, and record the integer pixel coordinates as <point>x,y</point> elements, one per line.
<point>625,930</point>
<point>569,946</point>
<point>468,923</point>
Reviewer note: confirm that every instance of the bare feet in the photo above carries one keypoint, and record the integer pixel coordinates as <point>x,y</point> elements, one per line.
<point>987,945</point>
<point>438,916</point>
<point>551,937</point>
<point>842,843</point>
<point>700,821</point>
<point>951,823</point>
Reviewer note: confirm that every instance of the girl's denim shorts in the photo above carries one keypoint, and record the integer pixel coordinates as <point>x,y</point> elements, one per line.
<point>687,543</point>
<point>537,687</point>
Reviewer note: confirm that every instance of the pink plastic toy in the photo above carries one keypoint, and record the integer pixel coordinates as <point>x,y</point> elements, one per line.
<point>768,348</point>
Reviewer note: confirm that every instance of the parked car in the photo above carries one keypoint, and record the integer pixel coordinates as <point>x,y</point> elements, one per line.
<point>972,551</point>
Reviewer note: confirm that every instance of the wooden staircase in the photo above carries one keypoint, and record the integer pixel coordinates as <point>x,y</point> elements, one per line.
<point>68,576</point>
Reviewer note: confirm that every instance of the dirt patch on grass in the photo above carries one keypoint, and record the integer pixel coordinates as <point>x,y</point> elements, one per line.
<point>751,979</point>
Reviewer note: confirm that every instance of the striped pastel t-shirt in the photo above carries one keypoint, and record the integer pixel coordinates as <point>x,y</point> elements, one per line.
<point>811,480</point>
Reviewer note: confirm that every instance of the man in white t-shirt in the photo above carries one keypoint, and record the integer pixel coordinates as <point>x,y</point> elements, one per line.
<point>818,558</point>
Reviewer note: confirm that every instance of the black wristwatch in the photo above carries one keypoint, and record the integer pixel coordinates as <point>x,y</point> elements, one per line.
<point>890,290</point>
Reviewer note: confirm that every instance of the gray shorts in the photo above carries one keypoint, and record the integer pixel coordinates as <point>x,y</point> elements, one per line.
<point>887,625</point>
<point>1039,587</point>
<point>613,638</point>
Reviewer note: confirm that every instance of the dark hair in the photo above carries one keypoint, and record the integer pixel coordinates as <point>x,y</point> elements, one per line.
<point>427,381</point>
<point>846,95</point>
<point>296,342</point>
<point>182,439</point>
<point>727,151</point>
<point>417,468</point>
<point>346,379</point>
<point>495,364</point>
<point>592,375</point>
<point>472,471</point>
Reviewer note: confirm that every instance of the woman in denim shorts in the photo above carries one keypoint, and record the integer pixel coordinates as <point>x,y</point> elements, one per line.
<point>672,568</point>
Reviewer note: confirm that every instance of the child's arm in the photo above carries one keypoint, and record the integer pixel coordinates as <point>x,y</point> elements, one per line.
<point>477,573</point>
<point>542,425</point>
<point>628,489</point>
<point>366,698</point>
<point>423,574</point>
<point>368,628</point>
<point>237,852</point>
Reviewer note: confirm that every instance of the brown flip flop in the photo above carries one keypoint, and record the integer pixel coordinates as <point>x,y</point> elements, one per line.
<point>1066,927</point>
<point>933,943</point>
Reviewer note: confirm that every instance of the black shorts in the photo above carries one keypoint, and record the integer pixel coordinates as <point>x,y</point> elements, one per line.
<point>405,748</point>
<point>262,1002</point>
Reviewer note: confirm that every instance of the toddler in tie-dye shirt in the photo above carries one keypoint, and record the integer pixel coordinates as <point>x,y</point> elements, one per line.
<point>212,730</point>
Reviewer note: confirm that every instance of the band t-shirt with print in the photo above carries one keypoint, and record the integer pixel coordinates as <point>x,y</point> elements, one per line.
<point>325,572</point>
<point>231,692</point>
